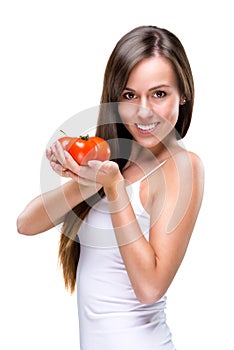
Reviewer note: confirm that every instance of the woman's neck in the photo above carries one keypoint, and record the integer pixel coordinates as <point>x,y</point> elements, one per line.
<point>161,151</point>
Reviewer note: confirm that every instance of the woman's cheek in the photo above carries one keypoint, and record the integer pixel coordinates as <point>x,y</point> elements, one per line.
<point>170,113</point>
<point>127,112</point>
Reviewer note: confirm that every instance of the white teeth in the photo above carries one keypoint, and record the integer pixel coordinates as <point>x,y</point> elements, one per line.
<point>147,127</point>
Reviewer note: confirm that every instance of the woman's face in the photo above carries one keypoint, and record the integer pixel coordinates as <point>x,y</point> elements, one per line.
<point>153,100</point>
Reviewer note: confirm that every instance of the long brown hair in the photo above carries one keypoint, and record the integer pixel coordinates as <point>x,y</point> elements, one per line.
<point>141,42</point>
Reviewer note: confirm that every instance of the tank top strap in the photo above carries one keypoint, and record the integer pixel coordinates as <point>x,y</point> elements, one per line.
<point>153,170</point>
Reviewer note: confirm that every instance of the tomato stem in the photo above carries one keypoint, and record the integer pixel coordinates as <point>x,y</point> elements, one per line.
<point>86,137</point>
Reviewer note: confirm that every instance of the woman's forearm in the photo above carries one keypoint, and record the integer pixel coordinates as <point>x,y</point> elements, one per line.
<point>137,253</point>
<point>48,209</point>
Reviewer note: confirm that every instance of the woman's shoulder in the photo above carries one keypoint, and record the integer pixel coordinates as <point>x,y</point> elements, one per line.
<point>185,159</point>
<point>180,184</point>
<point>184,169</point>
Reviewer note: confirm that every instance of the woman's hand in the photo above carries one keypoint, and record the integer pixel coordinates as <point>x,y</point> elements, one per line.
<point>64,165</point>
<point>105,173</point>
<point>99,174</point>
<point>96,174</point>
<point>61,161</point>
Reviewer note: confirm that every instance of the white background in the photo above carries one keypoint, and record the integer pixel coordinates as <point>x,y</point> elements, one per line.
<point>53,56</point>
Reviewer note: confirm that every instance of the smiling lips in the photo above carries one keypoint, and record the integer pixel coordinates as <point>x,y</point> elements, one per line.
<point>146,128</point>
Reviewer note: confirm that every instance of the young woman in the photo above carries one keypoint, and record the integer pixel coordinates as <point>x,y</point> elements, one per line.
<point>127,222</point>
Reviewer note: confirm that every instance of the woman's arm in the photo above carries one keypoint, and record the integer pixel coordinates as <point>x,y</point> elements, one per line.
<point>49,209</point>
<point>152,265</point>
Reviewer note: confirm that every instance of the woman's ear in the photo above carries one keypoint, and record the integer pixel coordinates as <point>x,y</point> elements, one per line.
<point>183,100</point>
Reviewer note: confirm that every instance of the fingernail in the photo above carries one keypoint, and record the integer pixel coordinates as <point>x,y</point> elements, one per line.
<point>66,154</point>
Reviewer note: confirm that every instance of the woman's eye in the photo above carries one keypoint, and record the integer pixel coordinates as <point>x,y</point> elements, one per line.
<point>160,94</point>
<point>129,95</point>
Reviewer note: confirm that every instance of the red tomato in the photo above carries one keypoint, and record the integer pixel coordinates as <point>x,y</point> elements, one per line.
<point>66,140</point>
<point>85,148</point>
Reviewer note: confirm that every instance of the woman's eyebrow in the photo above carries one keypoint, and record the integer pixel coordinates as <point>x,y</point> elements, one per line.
<point>129,89</point>
<point>159,87</point>
<point>151,89</point>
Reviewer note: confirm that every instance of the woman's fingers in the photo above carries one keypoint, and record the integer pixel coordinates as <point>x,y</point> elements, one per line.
<point>88,172</point>
<point>103,173</point>
<point>62,157</point>
<point>58,152</point>
<point>48,153</point>
<point>59,169</point>
<point>70,163</point>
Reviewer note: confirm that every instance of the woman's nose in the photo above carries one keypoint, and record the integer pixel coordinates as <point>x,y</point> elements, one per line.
<point>144,108</point>
<point>144,112</point>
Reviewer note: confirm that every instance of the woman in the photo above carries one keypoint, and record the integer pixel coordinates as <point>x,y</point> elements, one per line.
<point>135,213</point>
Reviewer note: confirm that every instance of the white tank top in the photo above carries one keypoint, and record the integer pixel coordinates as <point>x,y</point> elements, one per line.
<point>110,315</point>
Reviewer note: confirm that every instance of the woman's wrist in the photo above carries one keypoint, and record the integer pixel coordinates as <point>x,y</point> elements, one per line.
<point>116,187</point>
<point>117,196</point>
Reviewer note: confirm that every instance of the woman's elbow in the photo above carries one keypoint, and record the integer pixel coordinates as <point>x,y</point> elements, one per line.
<point>23,226</point>
<point>149,296</point>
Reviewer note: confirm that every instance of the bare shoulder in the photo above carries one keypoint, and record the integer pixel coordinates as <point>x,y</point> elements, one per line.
<point>180,193</point>
<point>195,161</point>
<point>184,176</point>
<point>184,162</point>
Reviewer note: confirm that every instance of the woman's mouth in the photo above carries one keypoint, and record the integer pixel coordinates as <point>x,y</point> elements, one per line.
<point>146,128</point>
